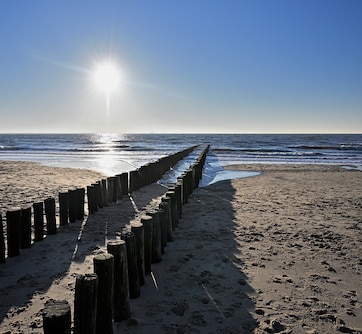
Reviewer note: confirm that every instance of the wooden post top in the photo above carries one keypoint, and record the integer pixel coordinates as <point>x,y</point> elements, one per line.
<point>136,224</point>
<point>103,257</point>
<point>115,242</point>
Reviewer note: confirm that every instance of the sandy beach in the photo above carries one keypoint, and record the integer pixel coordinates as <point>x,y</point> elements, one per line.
<point>24,183</point>
<point>276,253</point>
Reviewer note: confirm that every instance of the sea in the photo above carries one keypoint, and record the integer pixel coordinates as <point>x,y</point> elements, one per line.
<point>112,153</point>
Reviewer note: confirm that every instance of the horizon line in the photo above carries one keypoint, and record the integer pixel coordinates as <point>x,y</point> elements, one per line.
<point>181,133</point>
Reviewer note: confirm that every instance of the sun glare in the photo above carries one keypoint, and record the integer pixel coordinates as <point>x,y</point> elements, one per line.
<point>107,77</point>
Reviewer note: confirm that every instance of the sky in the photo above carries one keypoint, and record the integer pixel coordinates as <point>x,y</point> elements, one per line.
<point>190,66</point>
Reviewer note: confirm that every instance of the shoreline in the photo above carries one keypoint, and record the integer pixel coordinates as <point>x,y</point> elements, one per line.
<point>277,252</point>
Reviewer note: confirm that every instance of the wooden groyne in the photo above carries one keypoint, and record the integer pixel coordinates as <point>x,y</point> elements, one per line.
<point>24,225</point>
<point>103,297</point>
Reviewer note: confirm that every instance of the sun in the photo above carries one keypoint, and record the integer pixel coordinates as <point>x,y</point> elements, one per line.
<point>107,76</point>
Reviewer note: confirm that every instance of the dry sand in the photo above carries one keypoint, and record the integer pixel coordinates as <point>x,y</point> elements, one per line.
<point>276,253</point>
<point>23,183</point>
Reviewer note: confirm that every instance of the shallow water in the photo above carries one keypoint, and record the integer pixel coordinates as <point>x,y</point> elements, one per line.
<point>116,153</point>
<point>225,175</point>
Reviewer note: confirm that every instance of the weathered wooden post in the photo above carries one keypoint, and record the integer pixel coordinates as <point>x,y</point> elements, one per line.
<point>188,184</point>
<point>173,207</point>
<point>85,304</point>
<point>80,193</point>
<point>133,180</point>
<point>192,171</point>
<point>13,222</point>
<point>91,199</point>
<point>103,267</point>
<point>118,186</point>
<point>121,303</point>
<point>147,227</point>
<point>114,190</point>
<point>162,219</point>
<point>133,278</point>
<point>104,192</point>
<point>63,208</point>
<point>38,221</point>
<point>72,205</point>
<point>110,189</point>
<point>49,205</point>
<point>98,194</point>
<point>138,231</point>
<point>165,205</point>
<point>180,183</point>
<point>156,237</point>
<point>56,317</point>
<point>2,241</point>
<point>25,234</point>
<point>179,196</point>
<point>96,198</point>
<point>196,171</point>
<point>124,183</point>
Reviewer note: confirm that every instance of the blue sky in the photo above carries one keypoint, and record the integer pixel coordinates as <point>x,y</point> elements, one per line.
<point>189,66</point>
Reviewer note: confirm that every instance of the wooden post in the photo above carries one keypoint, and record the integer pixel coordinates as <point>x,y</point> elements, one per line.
<point>188,179</point>
<point>38,221</point>
<point>121,303</point>
<point>193,177</point>
<point>173,207</point>
<point>25,234</point>
<point>110,189</point>
<point>2,241</point>
<point>91,199</point>
<point>124,184</point>
<point>56,317</point>
<point>72,205</point>
<point>132,180</point>
<point>104,192</point>
<point>85,304</point>
<point>96,198</point>
<point>147,227</point>
<point>178,191</point>
<point>103,267</point>
<point>180,183</point>
<point>162,220</point>
<point>80,193</point>
<point>187,185</point>
<point>98,195</point>
<point>165,205</point>
<point>133,278</point>
<point>13,221</point>
<point>138,231</point>
<point>118,186</point>
<point>114,189</point>
<point>49,205</point>
<point>156,237</point>
<point>63,209</point>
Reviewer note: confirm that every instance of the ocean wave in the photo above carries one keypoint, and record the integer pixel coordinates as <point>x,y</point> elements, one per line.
<point>343,147</point>
<point>90,150</point>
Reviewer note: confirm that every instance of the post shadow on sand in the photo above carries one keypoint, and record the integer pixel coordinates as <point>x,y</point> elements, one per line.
<point>200,278</point>
<point>37,268</point>
<point>217,237</point>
